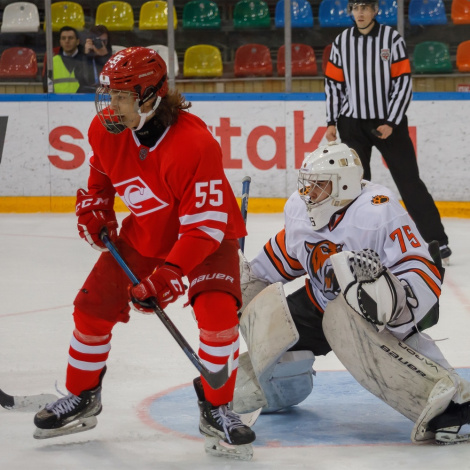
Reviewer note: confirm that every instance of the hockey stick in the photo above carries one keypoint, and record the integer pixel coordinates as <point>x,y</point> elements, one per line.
<point>214,379</point>
<point>244,206</point>
<point>25,403</point>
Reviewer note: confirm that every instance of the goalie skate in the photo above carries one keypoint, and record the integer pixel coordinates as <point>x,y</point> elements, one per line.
<point>448,424</point>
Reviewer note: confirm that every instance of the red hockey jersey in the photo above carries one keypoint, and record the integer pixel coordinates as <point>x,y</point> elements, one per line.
<point>181,203</point>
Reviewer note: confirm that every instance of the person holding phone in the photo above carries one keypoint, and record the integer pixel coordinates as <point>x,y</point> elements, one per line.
<point>368,90</point>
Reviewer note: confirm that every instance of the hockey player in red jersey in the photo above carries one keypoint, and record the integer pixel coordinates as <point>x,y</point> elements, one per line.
<point>184,220</point>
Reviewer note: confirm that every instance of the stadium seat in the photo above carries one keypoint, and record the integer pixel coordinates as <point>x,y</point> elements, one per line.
<point>202,61</point>
<point>253,60</point>
<point>302,58</point>
<point>426,12</point>
<point>388,12</point>
<point>18,62</point>
<point>251,14</point>
<point>463,56</point>
<point>66,14</point>
<point>116,16</point>
<point>431,57</point>
<point>460,11</point>
<point>325,57</point>
<point>154,15</point>
<point>334,13</point>
<point>20,17</point>
<point>201,14</point>
<point>301,14</point>
<point>163,52</point>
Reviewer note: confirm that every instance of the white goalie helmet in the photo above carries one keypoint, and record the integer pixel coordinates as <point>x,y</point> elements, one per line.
<point>335,163</point>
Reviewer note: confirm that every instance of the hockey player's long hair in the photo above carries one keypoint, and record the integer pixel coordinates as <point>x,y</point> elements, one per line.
<point>170,106</point>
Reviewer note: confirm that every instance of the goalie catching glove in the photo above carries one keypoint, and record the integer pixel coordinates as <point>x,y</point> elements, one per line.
<point>368,287</point>
<point>95,213</point>
<point>165,285</point>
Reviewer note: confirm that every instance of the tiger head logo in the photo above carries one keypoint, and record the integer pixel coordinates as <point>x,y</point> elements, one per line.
<point>379,199</point>
<point>320,269</point>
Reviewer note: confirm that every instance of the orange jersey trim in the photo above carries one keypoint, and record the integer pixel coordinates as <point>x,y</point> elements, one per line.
<point>308,287</point>
<point>277,263</point>
<point>281,242</point>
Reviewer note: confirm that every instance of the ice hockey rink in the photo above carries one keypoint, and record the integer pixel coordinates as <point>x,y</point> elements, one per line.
<point>150,416</point>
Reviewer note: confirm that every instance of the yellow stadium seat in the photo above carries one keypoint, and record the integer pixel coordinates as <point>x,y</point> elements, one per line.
<point>20,17</point>
<point>66,14</point>
<point>116,16</point>
<point>154,15</point>
<point>202,61</point>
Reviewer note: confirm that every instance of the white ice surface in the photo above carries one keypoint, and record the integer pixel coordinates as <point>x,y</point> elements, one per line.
<point>42,265</point>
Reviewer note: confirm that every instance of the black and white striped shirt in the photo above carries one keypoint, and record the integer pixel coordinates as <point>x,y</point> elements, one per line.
<point>368,76</point>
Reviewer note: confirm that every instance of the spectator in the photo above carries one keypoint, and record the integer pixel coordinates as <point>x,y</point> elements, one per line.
<point>69,69</point>
<point>368,90</point>
<point>97,51</point>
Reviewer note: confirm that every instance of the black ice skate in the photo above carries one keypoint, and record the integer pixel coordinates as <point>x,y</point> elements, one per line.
<point>448,424</point>
<point>69,414</point>
<point>225,433</point>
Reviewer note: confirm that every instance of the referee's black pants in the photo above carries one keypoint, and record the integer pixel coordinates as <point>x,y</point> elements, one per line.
<point>400,157</point>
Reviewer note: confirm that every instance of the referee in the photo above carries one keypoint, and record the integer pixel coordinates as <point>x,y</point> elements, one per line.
<point>368,90</point>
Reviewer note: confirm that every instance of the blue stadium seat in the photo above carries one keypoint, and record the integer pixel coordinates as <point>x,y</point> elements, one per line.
<point>334,13</point>
<point>388,12</point>
<point>301,14</point>
<point>426,12</point>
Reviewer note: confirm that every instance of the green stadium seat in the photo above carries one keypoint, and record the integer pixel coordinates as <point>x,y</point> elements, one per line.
<point>431,57</point>
<point>251,14</point>
<point>201,14</point>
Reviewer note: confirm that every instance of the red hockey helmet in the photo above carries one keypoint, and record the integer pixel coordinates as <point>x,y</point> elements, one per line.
<point>137,69</point>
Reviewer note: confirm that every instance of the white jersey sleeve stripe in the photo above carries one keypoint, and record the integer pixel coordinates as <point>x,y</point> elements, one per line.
<point>216,216</point>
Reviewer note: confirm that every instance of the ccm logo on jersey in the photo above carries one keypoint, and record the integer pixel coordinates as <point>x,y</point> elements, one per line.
<point>92,202</point>
<point>209,277</point>
<point>379,199</point>
<point>138,197</point>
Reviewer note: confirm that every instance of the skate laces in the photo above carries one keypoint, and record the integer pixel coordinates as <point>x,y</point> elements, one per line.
<point>63,405</point>
<point>227,419</point>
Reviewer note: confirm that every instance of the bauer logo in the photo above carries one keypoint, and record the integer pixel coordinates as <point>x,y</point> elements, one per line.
<point>138,197</point>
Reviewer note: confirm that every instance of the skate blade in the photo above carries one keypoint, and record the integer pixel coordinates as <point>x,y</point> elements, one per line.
<point>219,448</point>
<point>80,425</point>
<point>450,437</point>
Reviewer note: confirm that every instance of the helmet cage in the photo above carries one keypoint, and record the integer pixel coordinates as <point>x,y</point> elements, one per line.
<point>111,121</point>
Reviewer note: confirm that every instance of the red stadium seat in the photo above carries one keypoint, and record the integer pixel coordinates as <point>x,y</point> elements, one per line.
<point>18,62</point>
<point>253,60</point>
<point>303,60</point>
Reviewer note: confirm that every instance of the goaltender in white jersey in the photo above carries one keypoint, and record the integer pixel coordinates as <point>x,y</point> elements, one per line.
<point>351,237</point>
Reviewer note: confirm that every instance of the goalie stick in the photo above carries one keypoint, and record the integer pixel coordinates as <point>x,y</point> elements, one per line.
<point>26,402</point>
<point>244,206</point>
<point>215,379</point>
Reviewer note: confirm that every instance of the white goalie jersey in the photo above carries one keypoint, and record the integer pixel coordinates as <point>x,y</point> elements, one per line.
<point>375,220</point>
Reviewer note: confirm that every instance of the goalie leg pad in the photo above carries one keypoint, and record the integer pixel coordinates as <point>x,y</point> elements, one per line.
<point>269,331</point>
<point>408,381</point>
<point>250,285</point>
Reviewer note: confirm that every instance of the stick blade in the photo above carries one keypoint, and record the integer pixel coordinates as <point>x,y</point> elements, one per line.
<point>26,403</point>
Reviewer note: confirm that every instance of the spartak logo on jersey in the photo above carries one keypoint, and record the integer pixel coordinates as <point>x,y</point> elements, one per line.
<point>320,269</point>
<point>138,197</point>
